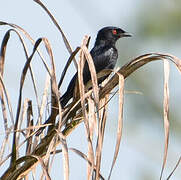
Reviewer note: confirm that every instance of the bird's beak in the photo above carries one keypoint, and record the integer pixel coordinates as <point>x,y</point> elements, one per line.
<point>126,34</point>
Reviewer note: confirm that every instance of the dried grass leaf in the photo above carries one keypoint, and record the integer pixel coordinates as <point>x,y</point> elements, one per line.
<point>84,111</point>
<point>56,103</point>
<point>2,86</point>
<point>100,137</point>
<point>166,112</point>
<point>82,155</point>
<point>59,28</point>
<point>92,72</point>
<point>91,117</point>
<point>120,121</point>
<point>67,65</point>
<point>45,170</point>
<point>29,131</point>
<point>23,75</point>
<point>136,63</point>
<point>4,90</point>
<point>65,155</point>
<point>44,98</point>
<point>28,37</point>
<point>174,168</point>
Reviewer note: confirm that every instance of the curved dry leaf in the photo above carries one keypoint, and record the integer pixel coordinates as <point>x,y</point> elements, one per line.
<point>45,170</point>
<point>29,37</point>
<point>84,111</point>
<point>59,28</point>
<point>120,121</point>
<point>23,75</point>
<point>174,168</point>
<point>81,154</point>
<point>3,89</point>
<point>166,113</point>
<point>101,127</point>
<point>67,65</point>
<point>65,155</point>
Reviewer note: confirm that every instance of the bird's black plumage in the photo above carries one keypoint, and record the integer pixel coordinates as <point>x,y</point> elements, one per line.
<point>104,55</point>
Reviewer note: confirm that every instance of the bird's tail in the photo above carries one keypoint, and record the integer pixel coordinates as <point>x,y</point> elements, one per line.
<point>69,93</point>
<point>65,99</point>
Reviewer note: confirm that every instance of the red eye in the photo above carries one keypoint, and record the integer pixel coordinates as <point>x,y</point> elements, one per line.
<point>114,31</point>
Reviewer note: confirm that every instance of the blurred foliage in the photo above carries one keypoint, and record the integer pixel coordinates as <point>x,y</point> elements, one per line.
<point>161,21</point>
<point>157,28</point>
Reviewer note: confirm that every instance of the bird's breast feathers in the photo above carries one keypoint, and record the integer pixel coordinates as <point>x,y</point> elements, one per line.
<point>112,53</point>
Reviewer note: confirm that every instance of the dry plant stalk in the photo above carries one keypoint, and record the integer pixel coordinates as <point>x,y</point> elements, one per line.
<point>89,106</point>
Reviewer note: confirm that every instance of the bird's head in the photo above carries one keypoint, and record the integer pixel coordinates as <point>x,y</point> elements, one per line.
<point>111,34</point>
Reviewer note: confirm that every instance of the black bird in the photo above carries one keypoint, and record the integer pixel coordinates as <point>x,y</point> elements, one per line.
<point>104,55</point>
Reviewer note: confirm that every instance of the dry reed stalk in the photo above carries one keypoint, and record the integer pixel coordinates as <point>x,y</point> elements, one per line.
<point>76,112</point>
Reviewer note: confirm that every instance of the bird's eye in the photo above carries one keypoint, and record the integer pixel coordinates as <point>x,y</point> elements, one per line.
<point>114,31</point>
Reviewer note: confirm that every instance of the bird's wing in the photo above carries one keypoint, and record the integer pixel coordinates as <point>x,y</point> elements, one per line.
<point>103,57</point>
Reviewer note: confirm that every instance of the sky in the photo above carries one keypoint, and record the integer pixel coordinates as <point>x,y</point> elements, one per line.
<point>141,150</point>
